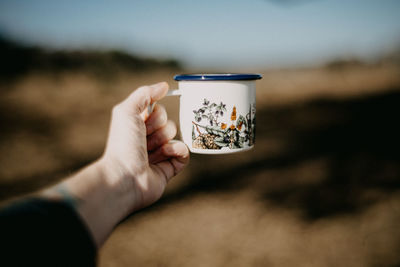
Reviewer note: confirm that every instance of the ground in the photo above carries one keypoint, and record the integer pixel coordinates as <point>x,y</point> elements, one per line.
<point>320,188</point>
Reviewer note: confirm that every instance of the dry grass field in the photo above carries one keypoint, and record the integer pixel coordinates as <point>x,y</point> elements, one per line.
<point>321,187</point>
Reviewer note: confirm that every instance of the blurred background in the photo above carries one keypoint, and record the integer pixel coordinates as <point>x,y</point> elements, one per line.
<point>320,188</point>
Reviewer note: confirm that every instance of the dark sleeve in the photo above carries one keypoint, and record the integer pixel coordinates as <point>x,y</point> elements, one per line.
<point>39,232</point>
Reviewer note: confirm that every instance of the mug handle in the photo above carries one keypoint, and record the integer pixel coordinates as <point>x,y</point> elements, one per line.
<point>173,92</point>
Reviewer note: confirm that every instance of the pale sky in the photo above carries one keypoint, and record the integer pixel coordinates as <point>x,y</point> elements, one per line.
<point>246,33</point>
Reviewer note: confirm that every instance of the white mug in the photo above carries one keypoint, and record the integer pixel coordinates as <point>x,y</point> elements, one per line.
<point>217,112</point>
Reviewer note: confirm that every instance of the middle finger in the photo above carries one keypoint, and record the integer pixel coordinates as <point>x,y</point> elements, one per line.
<point>161,136</point>
<point>157,119</point>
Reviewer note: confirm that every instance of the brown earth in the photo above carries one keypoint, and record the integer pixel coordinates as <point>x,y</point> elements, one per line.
<point>321,187</point>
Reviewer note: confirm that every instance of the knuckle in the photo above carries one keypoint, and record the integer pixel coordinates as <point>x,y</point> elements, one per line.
<point>146,96</point>
<point>143,94</point>
<point>173,128</point>
<point>144,91</point>
<point>161,109</point>
<point>146,101</point>
<point>172,125</point>
<point>163,116</point>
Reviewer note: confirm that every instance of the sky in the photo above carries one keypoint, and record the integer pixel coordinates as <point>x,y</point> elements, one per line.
<point>211,33</point>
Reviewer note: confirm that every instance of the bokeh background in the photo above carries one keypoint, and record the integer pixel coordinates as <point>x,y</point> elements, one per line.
<point>320,188</point>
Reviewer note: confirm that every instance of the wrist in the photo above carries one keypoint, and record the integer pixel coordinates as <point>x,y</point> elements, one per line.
<point>103,199</point>
<point>121,184</point>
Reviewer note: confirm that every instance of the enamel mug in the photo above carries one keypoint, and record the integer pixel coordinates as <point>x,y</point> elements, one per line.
<point>217,111</point>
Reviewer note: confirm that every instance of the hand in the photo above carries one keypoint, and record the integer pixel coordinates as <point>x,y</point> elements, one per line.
<point>138,152</point>
<point>137,164</point>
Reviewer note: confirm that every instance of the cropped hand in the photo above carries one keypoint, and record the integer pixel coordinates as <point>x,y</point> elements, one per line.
<point>137,164</point>
<point>139,152</point>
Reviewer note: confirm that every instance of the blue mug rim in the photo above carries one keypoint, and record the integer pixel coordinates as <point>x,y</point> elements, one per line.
<point>217,77</point>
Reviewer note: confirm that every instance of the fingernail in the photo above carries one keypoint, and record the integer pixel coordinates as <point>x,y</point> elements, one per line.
<point>158,88</point>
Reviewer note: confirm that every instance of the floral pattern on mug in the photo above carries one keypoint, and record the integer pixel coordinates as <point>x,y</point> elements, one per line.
<point>210,133</point>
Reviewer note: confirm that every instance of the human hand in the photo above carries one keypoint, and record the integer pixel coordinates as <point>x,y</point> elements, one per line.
<point>137,164</point>
<point>139,155</point>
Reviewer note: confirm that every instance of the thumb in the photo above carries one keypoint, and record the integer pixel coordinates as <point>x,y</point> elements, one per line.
<point>142,97</point>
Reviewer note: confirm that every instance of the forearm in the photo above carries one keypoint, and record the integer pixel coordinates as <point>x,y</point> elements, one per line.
<point>100,199</point>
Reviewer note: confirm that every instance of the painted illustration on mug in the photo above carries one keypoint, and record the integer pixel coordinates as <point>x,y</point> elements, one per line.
<point>208,132</point>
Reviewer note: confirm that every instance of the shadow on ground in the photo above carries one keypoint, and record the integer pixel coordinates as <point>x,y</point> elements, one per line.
<point>29,125</point>
<point>334,156</point>
<point>339,156</point>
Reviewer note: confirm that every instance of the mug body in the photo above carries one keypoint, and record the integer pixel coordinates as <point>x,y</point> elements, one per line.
<point>218,112</point>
